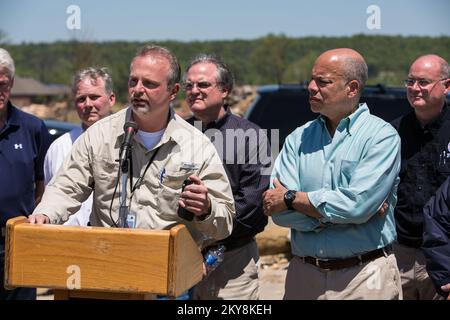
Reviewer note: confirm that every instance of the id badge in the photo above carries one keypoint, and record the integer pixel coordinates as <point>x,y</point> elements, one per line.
<point>131,220</point>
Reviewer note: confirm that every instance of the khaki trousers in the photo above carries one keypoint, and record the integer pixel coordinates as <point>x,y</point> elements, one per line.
<point>416,283</point>
<point>235,278</point>
<point>375,280</point>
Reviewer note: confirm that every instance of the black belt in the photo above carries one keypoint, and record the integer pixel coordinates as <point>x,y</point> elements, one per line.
<point>337,264</point>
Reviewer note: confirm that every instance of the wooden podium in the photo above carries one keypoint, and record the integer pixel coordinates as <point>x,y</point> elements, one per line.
<point>101,263</point>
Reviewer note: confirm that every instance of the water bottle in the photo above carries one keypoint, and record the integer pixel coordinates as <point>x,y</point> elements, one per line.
<point>214,257</point>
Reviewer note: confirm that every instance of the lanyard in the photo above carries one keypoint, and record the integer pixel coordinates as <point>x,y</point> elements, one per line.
<point>139,180</point>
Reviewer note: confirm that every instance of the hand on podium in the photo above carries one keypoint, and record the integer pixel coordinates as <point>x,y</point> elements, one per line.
<point>38,219</point>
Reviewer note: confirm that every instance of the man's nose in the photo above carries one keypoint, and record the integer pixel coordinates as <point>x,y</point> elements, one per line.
<point>415,86</point>
<point>312,87</point>
<point>88,103</point>
<point>138,88</point>
<point>195,89</point>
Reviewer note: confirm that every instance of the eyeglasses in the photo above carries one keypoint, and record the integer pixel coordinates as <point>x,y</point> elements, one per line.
<point>422,83</point>
<point>202,85</point>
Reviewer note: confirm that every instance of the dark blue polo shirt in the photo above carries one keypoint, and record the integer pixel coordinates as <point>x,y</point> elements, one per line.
<point>436,237</point>
<point>24,140</point>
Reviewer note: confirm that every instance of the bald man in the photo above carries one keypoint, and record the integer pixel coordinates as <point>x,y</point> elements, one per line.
<point>425,135</point>
<point>329,182</point>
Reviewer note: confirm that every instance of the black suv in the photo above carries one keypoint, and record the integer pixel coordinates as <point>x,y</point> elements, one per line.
<point>286,107</point>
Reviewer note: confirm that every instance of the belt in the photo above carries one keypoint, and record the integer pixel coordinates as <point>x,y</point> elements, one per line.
<point>336,264</point>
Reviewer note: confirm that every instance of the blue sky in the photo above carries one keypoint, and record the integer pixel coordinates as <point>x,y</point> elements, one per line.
<point>101,20</point>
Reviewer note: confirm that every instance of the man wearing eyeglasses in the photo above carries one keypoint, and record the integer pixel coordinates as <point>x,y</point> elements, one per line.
<point>425,152</point>
<point>208,81</point>
<point>24,140</point>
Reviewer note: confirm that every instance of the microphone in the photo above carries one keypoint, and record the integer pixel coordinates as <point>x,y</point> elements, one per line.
<point>130,129</point>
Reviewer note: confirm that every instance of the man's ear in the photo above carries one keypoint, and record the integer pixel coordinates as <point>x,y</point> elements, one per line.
<point>447,86</point>
<point>353,88</point>
<point>225,92</point>
<point>112,99</point>
<point>174,91</point>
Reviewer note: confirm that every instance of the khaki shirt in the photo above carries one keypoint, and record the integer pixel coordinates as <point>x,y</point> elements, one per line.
<point>183,151</point>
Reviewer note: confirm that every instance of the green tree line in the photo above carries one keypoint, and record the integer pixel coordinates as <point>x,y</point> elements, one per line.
<point>267,60</point>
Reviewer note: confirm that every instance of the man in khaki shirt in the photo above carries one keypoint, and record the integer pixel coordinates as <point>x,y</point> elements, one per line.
<point>165,151</point>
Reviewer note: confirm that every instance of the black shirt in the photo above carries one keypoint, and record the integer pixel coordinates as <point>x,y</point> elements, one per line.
<point>425,166</point>
<point>243,169</point>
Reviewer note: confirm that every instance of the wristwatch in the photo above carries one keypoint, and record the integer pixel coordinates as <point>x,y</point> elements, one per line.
<point>289,198</point>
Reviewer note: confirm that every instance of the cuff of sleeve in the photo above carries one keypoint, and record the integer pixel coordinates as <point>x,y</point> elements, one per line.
<point>317,199</point>
<point>209,218</point>
<point>51,214</point>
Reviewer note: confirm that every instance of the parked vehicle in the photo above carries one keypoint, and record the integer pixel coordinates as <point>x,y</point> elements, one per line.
<point>286,107</point>
<point>58,128</point>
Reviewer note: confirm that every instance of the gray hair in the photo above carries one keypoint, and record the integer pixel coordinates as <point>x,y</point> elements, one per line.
<point>356,69</point>
<point>445,70</point>
<point>224,77</point>
<point>93,74</point>
<point>7,62</point>
<point>154,50</point>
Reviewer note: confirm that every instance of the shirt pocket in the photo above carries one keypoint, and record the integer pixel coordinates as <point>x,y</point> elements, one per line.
<point>105,174</point>
<point>169,192</point>
<point>347,169</point>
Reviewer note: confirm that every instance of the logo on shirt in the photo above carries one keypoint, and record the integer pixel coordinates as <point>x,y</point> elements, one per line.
<point>18,146</point>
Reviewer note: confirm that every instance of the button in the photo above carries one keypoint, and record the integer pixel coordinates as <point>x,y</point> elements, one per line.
<point>423,165</point>
<point>419,187</point>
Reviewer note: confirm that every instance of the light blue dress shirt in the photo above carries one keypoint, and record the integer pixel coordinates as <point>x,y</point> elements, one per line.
<point>347,178</point>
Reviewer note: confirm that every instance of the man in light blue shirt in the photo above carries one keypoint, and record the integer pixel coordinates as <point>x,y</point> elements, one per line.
<point>330,182</point>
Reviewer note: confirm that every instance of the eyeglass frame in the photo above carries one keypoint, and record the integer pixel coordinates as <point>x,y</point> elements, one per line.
<point>199,87</point>
<point>418,82</point>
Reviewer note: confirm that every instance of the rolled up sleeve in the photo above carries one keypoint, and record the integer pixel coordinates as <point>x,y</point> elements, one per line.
<point>287,170</point>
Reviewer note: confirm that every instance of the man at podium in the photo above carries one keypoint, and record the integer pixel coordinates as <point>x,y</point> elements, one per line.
<point>165,153</point>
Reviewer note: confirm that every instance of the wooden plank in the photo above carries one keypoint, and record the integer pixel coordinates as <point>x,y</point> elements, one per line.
<point>9,244</point>
<point>105,259</point>
<point>186,262</point>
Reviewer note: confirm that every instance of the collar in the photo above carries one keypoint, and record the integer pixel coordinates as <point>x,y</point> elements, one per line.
<point>436,124</point>
<point>172,125</point>
<point>12,118</point>
<point>216,124</point>
<point>348,123</point>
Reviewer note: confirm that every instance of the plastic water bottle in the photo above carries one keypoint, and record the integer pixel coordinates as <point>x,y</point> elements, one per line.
<point>214,257</point>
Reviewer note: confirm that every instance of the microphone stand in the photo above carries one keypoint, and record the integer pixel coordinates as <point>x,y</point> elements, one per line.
<point>123,209</point>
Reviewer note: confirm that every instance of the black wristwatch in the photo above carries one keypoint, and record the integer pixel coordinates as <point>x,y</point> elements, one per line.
<point>289,198</point>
